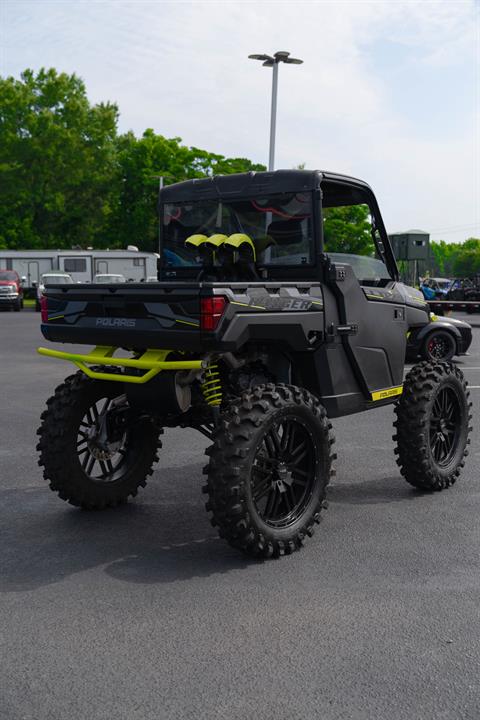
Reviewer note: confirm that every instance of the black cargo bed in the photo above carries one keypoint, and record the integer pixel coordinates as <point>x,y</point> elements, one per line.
<point>167,315</point>
<point>155,315</point>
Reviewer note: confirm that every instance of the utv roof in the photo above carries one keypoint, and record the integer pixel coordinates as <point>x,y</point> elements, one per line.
<point>252,183</point>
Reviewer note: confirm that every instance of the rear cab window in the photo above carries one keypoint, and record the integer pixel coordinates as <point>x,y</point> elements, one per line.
<point>280,227</point>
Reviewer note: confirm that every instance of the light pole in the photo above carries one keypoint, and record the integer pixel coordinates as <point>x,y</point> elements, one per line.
<point>161,179</point>
<point>161,184</point>
<point>273,62</point>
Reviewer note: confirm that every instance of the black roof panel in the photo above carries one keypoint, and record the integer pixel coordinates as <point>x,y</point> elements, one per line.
<point>242,185</point>
<point>252,183</point>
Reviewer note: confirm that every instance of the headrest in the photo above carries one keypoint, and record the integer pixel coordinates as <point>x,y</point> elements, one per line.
<point>202,241</point>
<point>239,242</point>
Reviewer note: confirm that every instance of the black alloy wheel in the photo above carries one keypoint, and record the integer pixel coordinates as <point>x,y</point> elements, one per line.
<point>269,468</point>
<point>102,446</point>
<point>432,425</point>
<point>445,426</point>
<point>94,452</point>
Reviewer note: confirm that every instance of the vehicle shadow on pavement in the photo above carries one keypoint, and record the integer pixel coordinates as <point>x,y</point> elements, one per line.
<point>159,539</point>
<point>370,492</point>
<point>183,561</point>
<point>163,537</point>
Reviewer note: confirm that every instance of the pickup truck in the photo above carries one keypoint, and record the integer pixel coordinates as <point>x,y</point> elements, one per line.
<point>11,290</point>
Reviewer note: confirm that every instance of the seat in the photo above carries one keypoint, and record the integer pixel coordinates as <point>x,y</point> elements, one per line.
<point>286,232</point>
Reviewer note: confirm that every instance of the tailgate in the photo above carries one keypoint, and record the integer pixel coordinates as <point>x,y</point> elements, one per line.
<point>137,315</point>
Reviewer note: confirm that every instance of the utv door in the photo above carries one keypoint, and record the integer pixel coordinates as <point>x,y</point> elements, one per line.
<point>373,326</point>
<point>360,270</point>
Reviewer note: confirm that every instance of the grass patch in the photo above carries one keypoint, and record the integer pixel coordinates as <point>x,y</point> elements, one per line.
<point>29,303</point>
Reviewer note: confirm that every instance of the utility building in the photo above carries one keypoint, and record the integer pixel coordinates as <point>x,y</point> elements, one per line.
<point>411,245</point>
<point>412,251</point>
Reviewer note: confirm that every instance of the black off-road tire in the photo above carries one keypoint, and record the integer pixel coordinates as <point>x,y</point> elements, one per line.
<point>242,439</point>
<point>439,346</point>
<point>59,441</point>
<point>432,426</point>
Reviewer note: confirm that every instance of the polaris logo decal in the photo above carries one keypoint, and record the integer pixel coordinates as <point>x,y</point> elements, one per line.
<point>116,322</point>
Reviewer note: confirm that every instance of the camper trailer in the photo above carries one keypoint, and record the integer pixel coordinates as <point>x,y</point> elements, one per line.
<point>81,265</point>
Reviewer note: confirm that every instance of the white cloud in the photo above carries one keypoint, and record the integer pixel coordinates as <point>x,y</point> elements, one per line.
<point>182,69</point>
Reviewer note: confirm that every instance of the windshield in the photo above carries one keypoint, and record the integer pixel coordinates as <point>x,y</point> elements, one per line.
<point>6,275</point>
<point>280,227</point>
<point>365,269</point>
<point>57,279</point>
<point>109,279</point>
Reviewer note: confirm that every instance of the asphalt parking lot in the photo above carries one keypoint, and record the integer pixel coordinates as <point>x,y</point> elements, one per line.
<point>142,613</point>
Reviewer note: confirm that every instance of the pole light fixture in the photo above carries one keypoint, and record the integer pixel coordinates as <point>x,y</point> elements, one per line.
<point>273,62</point>
<point>161,179</point>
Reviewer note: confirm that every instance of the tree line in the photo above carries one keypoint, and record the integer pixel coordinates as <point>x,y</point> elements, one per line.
<point>69,179</point>
<point>455,259</point>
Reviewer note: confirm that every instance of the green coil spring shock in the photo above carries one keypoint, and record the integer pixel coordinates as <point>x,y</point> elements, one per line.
<point>212,385</point>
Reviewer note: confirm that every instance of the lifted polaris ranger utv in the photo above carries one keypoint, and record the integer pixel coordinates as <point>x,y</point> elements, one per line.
<point>258,331</point>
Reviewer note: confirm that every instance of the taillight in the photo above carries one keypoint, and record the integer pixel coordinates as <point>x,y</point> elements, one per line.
<point>44,308</point>
<point>212,309</point>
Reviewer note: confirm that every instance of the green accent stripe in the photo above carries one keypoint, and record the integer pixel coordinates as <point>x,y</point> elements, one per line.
<point>255,307</point>
<point>186,322</point>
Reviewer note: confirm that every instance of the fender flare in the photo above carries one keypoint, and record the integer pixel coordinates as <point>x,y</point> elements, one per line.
<point>434,326</point>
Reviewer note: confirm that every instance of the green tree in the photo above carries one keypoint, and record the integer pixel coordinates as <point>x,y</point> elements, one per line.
<point>455,259</point>
<point>437,258</point>
<point>57,160</point>
<point>467,261</point>
<point>140,161</point>
<point>66,178</point>
<point>348,230</point>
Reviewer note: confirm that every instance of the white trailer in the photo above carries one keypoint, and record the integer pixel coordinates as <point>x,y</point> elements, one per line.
<point>82,265</point>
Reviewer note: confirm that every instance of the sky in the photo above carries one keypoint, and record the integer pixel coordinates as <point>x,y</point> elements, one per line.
<point>388,91</point>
